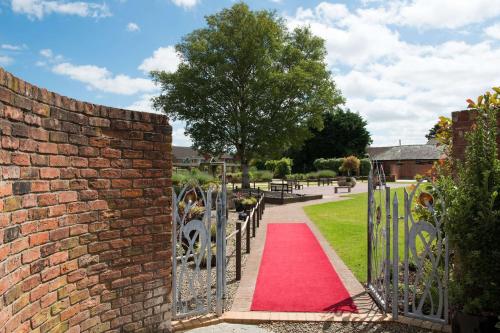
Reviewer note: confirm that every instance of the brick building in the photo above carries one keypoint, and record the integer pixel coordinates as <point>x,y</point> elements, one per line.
<point>406,161</point>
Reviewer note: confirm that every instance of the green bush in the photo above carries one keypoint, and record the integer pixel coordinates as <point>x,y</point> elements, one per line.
<point>270,165</point>
<point>328,164</point>
<point>474,219</point>
<point>234,177</point>
<point>297,176</point>
<point>325,174</point>
<point>283,167</point>
<point>182,177</point>
<point>321,174</point>
<point>261,176</point>
<point>364,167</point>
<point>258,164</point>
<point>280,168</point>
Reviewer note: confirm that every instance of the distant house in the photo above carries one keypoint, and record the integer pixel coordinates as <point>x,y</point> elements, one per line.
<point>187,157</point>
<point>406,161</point>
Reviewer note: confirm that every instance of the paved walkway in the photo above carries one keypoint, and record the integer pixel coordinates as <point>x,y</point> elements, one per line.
<point>229,328</point>
<point>293,213</point>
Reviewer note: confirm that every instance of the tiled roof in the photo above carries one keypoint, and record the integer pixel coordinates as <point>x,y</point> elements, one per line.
<point>406,152</point>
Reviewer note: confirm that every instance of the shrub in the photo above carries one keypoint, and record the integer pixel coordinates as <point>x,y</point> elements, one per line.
<point>258,164</point>
<point>328,164</point>
<point>474,217</point>
<point>283,167</point>
<point>234,177</point>
<point>364,167</point>
<point>297,176</point>
<point>280,168</point>
<point>270,165</point>
<point>350,165</point>
<point>261,176</point>
<point>182,177</point>
<point>322,174</point>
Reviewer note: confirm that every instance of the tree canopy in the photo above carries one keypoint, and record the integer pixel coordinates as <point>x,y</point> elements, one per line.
<point>344,134</point>
<point>247,85</point>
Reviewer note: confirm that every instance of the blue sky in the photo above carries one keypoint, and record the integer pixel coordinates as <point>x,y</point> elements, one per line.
<point>399,63</point>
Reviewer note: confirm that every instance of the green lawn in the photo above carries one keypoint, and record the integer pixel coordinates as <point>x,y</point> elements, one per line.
<point>344,225</point>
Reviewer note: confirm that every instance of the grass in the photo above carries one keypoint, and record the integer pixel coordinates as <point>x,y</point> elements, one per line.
<point>344,225</point>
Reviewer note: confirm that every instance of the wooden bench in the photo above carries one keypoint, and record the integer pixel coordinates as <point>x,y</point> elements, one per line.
<point>346,187</point>
<point>296,184</point>
<point>278,187</point>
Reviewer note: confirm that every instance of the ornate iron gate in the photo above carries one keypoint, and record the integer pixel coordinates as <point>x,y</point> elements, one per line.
<point>426,254</point>
<point>378,237</point>
<point>425,265</point>
<point>193,251</point>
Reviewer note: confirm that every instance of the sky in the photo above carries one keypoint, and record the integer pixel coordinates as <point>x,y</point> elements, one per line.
<point>400,63</point>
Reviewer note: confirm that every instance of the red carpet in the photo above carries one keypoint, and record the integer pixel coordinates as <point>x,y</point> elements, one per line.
<point>295,274</point>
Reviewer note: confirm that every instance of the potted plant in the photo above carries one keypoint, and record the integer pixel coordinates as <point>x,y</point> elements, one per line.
<point>473,225</point>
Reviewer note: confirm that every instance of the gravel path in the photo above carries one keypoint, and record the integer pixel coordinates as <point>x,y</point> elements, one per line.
<point>336,327</point>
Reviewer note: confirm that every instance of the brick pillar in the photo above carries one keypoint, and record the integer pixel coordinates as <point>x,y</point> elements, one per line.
<point>85,222</point>
<point>461,124</point>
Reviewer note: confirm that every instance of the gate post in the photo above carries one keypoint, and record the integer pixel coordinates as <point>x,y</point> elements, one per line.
<point>370,199</point>
<point>387,278</point>
<point>238,251</point>
<point>395,257</point>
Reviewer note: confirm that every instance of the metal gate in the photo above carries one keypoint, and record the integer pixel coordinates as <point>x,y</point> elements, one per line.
<point>378,277</point>
<point>417,286</point>
<point>199,226</point>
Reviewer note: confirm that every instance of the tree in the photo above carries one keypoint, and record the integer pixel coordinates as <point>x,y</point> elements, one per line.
<point>344,134</point>
<point>247,85</point>
<point>351,164</point>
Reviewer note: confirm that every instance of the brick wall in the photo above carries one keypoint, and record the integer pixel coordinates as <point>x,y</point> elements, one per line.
<point>461,123</point>
<point>406,169</point>
<point>85,218</point>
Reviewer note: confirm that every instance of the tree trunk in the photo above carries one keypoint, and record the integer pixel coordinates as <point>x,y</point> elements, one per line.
<point>245,176</point>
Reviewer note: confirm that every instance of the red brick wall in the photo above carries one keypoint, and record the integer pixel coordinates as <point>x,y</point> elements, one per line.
<point>85,219</point>
<point>461,123</point>
<point>406,169</point>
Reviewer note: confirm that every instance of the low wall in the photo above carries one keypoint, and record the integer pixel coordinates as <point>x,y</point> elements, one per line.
<point>85,220</point>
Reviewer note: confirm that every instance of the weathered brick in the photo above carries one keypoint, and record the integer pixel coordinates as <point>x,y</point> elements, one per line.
<point>11,234</point>
<point>47,199</point>
<point>47,148</point>
<point>49,173</point>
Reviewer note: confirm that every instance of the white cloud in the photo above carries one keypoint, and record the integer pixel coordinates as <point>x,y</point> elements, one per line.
<point>132,27</point>
<point>163,59</point>
<point>399,87</point>
<point>46,53</point>
<point>5,60</point>
<point>40,8</point>
<point>186,4</point>
<point>11,47</point>
<point>446,13</point>
<point>101,79</point>
<point>178,136</point>
<point>493,31</point>
<point>49,57</point>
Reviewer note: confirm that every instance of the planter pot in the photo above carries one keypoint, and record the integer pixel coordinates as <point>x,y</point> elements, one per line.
<point>465,323</point>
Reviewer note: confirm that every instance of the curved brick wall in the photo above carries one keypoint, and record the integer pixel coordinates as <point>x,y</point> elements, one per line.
<point>85,215</point>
